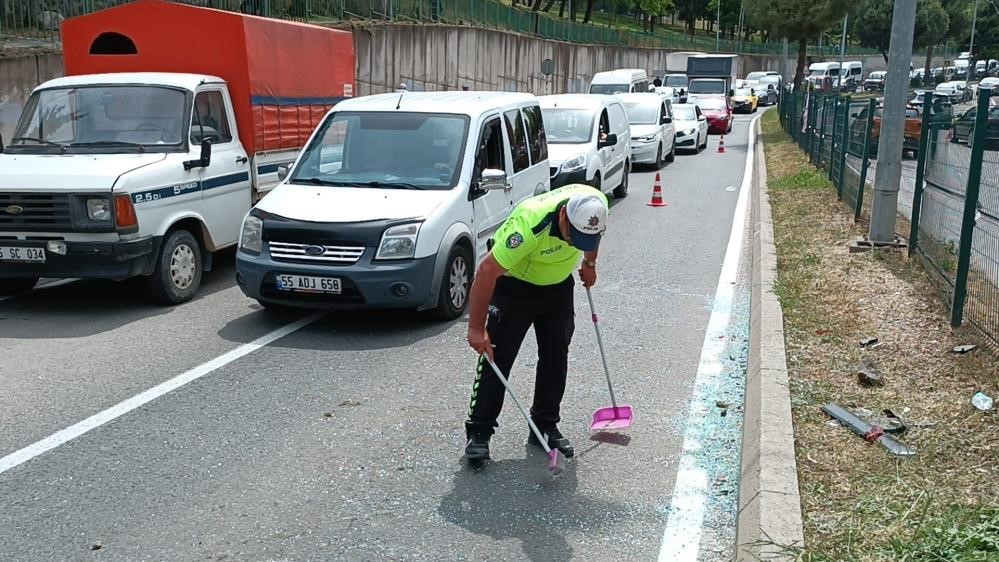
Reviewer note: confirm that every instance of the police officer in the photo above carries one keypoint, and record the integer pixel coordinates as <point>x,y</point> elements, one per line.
<point>526,279</point>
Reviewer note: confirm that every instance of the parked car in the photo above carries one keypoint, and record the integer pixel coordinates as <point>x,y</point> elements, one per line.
<point>653,138</point>
<point>875,81</point>
<point>990,82</point>
<point>718,113</point>
<point>745,100</point>
<point>911,136</point>
<point>951,91</point>
<point>393,200</point>
<point>691,127</point>
<point>589,140</point>
<point>964,127</point>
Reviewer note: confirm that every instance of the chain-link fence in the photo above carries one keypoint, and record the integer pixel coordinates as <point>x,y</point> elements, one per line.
<point>40,19</point>
<point>954,206</point>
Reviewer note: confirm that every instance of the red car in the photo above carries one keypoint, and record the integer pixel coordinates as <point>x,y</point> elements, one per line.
<point>718,110</point>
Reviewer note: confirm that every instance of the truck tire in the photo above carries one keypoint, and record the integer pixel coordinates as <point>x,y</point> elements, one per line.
<point>452,298</point>
<point>177,276</point>
<point>17,285</point>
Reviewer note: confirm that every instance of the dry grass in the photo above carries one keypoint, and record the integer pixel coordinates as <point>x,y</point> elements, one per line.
<point>861,503</point>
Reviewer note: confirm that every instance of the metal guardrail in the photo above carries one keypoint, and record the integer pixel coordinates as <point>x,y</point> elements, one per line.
<point>39,19</point>
<point>954,218</point>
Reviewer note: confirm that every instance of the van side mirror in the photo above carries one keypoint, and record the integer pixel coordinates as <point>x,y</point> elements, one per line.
<point>611,140</point>
<point>282,171</point>
<point>493,179</point>
<point>731,93</point>
<point>666,120</point>
<point>204,160</point>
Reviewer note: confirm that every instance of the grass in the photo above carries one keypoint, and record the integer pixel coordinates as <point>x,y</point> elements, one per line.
<point>861,504</point>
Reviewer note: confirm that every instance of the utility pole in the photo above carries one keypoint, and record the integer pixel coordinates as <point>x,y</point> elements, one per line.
<point>718,29</point>
<point>742,11</point>
<point>842,52</point>
<point>889,170</point>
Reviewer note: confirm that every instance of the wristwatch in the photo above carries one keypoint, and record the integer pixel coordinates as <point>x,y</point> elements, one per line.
<point>589,263</point>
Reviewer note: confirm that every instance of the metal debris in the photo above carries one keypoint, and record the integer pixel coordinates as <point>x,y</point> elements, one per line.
<point>962,349</point>
<point>868,342</point>
<point>868,375</point>
<point>873,433</point>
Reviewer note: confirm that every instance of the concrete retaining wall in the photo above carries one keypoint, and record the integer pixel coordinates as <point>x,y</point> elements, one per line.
<point>18,76</point>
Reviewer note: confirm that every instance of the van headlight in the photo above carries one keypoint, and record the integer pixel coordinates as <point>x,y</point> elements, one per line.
<point>251,240</point>
<point>99,209</point>
<point>573,164</point>
<point>398,242</point>
<point>646,138</point>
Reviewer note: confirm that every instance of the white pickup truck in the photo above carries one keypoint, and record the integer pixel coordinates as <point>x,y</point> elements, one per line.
<point>121,174</point>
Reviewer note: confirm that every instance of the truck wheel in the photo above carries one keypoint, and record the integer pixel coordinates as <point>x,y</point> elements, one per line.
<point>17,285</point>
<point>452,299</point>
<point>178,269</point>
<point>621,191</point>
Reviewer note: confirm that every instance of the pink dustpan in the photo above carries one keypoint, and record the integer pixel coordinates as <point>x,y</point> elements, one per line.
<point>611,418</point>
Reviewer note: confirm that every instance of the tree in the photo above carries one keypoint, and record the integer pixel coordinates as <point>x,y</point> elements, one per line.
<point>798,20</point>
<point>654,9</point>
<point>932,27</point>
<point>729,15</point>
<point>871,25</point>
<point>689,11</point>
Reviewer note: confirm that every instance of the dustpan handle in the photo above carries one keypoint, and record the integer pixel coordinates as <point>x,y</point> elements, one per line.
<point>600,344</point>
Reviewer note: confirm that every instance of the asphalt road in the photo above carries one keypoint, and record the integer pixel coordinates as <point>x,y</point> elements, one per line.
<point>341,440</point>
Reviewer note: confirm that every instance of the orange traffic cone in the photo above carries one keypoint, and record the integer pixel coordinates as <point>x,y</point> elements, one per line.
<point>657,193</point>
<point>721,144</point>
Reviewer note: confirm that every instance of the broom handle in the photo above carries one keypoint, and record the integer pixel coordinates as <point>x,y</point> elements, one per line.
<point>534,428</point>
<point>600,344</point>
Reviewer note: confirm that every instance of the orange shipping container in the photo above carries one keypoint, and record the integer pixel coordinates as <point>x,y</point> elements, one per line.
<point>283,76</point>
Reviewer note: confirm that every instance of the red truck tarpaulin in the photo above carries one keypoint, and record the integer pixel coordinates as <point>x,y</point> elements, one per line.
<point>283,76</point>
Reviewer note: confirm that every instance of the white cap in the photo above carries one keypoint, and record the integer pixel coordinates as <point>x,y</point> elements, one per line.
<point>588,218</point>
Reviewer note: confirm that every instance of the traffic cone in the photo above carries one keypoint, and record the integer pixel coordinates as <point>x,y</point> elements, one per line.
<point>657,193</point>
<point>721,144</point>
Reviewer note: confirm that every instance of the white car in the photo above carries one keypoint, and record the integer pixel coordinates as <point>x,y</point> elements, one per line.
<point>589,141</point>
<point>653,139</point>
<point>672,94</point>
<point>691,127</point>
<point>393,201</point>
<point>990,82</point>
<point>951,90</point>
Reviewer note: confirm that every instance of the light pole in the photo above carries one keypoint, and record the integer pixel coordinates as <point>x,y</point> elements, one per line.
<point>842,52</point>
<point>718,29</point>
<point>971,46</point>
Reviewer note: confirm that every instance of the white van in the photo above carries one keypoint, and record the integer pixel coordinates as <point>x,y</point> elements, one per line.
<point>853,73</point>
<point>619,81</point>
<point>589,139</point>
<point>393,200</point>
<point>653,138</point>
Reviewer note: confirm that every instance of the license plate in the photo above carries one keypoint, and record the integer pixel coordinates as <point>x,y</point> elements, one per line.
<point>10,253</point>
<point>309,284</point>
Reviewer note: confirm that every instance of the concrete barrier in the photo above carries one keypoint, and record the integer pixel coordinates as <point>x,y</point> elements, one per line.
<point>769,519</point>
<point>18,76</point>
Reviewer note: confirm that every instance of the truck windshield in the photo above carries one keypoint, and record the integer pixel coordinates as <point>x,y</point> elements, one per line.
<point>103,118</point>
<point>568,126</point>
<point>610,89</point>
<point>388,150</point>
<point>676,80</point>
<point>707,87</point>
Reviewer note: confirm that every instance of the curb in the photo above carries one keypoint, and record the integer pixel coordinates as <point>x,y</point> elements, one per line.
<point>769,522</point>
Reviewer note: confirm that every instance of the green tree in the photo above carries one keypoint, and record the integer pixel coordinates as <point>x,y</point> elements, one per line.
<point>871,25</point>
<point>689,11</point>
<point>932,28</point>
<point>654,9</point>
<point>729,15</point>
<point>797,20</point>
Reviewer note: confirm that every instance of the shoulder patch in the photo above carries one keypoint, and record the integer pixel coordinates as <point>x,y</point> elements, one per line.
<point>514,240</point>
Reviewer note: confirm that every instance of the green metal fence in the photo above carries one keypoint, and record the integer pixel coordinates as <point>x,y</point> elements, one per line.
<point>39,19</point>
<point>954,213</point>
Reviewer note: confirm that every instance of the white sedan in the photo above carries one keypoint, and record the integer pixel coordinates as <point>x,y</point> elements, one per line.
<point>691,127</point>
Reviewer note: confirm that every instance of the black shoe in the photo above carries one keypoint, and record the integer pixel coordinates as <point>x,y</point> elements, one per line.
<point>477,448</point>
<point>555,441</point>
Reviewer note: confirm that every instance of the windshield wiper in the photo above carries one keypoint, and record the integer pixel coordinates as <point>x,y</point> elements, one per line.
<point>141,147</point>
<point>39,141</point>
<point>317,181</point>
<point>384,185</point>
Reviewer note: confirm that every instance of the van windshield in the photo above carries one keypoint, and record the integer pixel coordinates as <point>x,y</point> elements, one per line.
<point>642,113</point>
<point>707,87</point>
<point>387,150</point>
<point>103,118</point>
<point>568,126</point>
<point>610,89</point>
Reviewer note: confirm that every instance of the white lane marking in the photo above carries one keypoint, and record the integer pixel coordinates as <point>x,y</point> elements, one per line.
<point>57,283</point>
<point>682,536</point>
<point>93,422</point>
